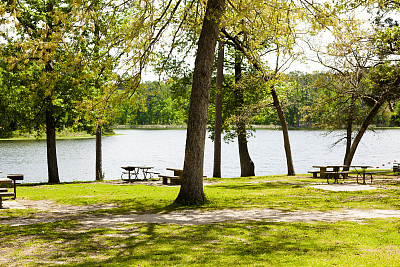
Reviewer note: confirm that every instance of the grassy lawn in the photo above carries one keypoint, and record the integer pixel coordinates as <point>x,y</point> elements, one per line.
<point>374,242</point>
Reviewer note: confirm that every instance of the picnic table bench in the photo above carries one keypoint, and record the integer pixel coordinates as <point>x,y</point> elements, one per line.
<point>396,168</point>
<point>314,173</point>
<point>4,191</point>
<point>173,179</point>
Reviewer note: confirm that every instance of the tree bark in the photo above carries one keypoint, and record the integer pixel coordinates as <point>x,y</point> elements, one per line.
<point>99,160</point>
<point>367,122</point>
<point>191,192</point>
<point>52,166</point>
<point>285,132</point>
<point>218,110</point>
<point>246,164</point>
<point>349,127</point>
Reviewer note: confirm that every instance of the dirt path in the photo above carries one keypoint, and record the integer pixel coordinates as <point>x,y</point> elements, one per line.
<point>53,212</point>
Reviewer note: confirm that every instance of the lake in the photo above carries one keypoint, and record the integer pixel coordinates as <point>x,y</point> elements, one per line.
<point>165,148</point>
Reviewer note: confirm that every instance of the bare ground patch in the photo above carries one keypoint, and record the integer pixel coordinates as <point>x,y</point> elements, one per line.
<point>52,212</point>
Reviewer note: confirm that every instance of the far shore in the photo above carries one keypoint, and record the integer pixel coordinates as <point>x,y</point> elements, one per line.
<point>83,135</point>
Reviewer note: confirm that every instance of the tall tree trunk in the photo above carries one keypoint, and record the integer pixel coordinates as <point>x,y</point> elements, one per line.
<point>246,164</point>
<point>285,132</point>
<point>99,156</point>
<point>52,166</point>
<point>349,127</point>
<point>191,191</point>
<point>218,110</point>
<point>99,160</point>
<point>367,122</point>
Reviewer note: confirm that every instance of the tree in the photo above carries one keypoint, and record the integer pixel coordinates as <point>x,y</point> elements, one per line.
<point>45,56</point>
<point>263,37</point>
<point>191,191</point>
<point>218,109</point>
<point>246,164</point>
<point>360,76</point>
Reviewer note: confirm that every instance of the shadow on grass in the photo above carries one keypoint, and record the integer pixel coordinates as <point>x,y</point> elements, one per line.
<point>258,186</point>
<point>150,244</point>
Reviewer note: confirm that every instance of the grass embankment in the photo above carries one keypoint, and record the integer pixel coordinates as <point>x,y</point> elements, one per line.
<point>373,242</point>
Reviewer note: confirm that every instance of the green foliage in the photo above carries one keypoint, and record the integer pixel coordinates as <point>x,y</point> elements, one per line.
<point>155,103</point>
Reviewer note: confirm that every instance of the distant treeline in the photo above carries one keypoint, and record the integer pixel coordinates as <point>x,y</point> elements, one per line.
<point>308,100</point>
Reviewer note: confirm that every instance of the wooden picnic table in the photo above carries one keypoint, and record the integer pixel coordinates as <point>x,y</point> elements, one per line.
<point>335,173</point>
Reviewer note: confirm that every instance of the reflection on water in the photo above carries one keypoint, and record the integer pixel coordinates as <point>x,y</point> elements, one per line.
<point>165,148</point>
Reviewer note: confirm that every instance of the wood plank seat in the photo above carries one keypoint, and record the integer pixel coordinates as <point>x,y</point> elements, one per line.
<point>396,168</point>
<point>174,180</point>
<point>336,175</point>
<point>5,194</point>
<point>314,173</point>
<point>3,189</point>
<point>371,173</point>
<point>5,181</point>
<point>152,173</point>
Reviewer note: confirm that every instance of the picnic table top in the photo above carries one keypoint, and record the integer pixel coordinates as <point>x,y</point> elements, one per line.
<point>361,166</point>
<point>136,167</point>
<point>174,169</point>
<point>330,166</point>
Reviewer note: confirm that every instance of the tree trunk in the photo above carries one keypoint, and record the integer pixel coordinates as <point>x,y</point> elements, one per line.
<point>246,164</point>
<point>374,111</point>
<point>52,166</point>
<point>99,160</point>
<point>191,191</point>
<point>218,110</point>
<point>285,132</point>
<point>349,127</point>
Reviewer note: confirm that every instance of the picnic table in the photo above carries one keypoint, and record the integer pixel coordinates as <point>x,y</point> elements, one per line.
<point>334,173</point>
<point>135,170</point>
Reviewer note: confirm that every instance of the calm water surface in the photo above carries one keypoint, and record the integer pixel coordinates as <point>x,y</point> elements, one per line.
<point>165,148</point>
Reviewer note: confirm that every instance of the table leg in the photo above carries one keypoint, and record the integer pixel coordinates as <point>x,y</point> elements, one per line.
<point>322,172</point>
<point>136,173</point>
<point>15,190</point>
<point>144,174</point>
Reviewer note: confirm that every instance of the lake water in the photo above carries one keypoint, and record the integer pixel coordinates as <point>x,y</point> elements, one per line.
<point>165,148</point>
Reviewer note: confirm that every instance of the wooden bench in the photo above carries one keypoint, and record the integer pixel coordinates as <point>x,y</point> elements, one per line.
<point>4,191</point>
<point>5,194</point>
<point>371,173</point>
<point>315,174</point>
<point>336,175</point>
<point>173,180</point>
<point>152,173</point>
<point>396,168</point>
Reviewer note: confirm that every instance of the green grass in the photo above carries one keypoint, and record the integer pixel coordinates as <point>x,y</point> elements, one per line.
<point>369,243</point>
